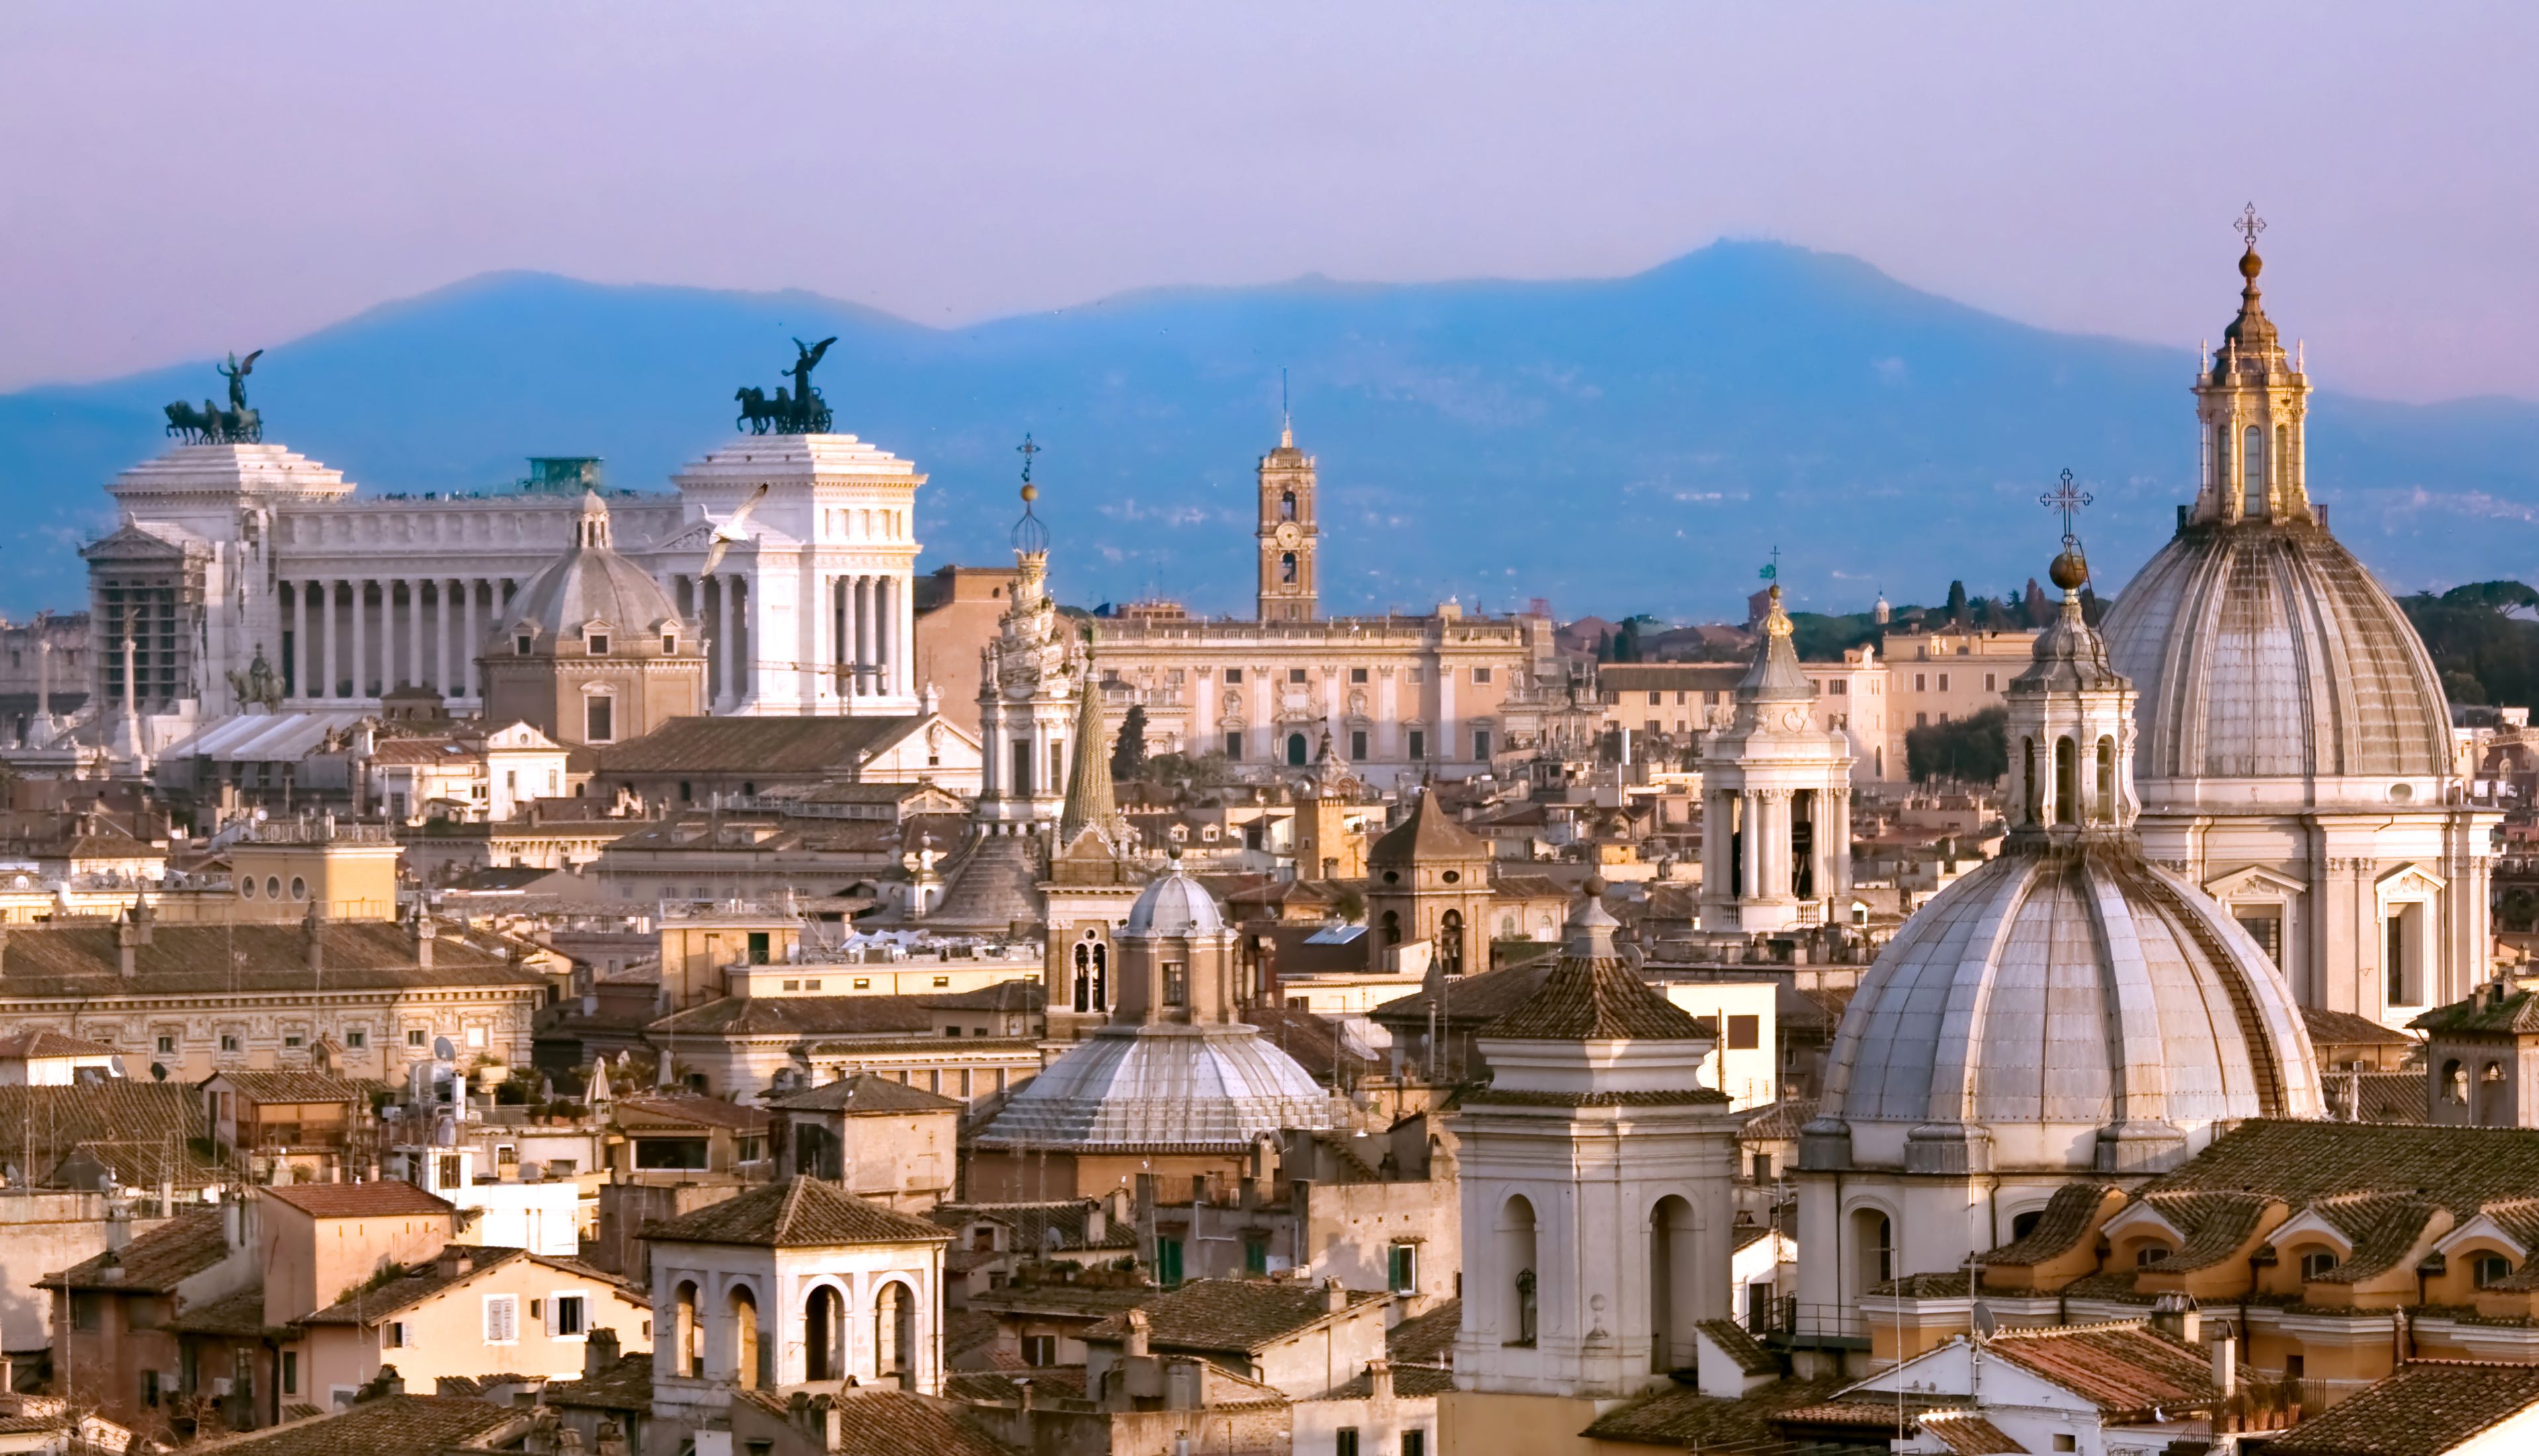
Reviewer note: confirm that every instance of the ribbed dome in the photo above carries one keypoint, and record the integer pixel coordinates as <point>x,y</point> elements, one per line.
<point>591,582</point>
<point>2266,650</point>
<point>1174,905</point>
<point>2069,988</point>
<point>1166,1088</point>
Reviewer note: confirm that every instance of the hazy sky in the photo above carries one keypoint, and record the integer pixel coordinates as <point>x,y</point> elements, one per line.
<point>180,180</point>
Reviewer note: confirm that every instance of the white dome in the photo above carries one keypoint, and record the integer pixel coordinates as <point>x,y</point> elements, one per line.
<point>2065,996</point>
<point>1164,1087</point>
<point>1175,905</point>
<point>2265,650</point>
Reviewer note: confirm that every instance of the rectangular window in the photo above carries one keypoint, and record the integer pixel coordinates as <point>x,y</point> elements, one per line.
<point>1176,982</point>
<point>597,719</point>
<point>1840,687</point>
<point>167,1045</point>
<point>520,645</point>
<point>599,644</point>
<point>1989,680</point>
<point>1347,1444</point>
<point>1656,697</point>
<point>394,1337</point>
<point>1921,683</point>
<point>1921,720</point>
<point>87,1309</point>
<point>1357,745</point>
<point>1168,1261</point>
<point>1256,1255</point>
<point>2266,927</point>
<point>570,1316</point>
<point>1762,1168</point>
<point>1744,1033</point>
<point>1233,675</point>
<point>1414,1443</point>
<point>1650,727</point>
<point>502,1319</point>
<point>355,1038</point>
<point>453,1167</point>
<point>293,1040</point>
<point>1402,1268</point>
<point>1418,744</point>
<point>1481,674</point>
<point>670,1152</point>
<point>1233,744</point>
<point>1481,744</point>
<point>1357,674</point>
<point>1296,676</point>
<point>228,1041</point>
<point>291,1372</point>
<point>414,1036</point>
<point>1040,1349</point>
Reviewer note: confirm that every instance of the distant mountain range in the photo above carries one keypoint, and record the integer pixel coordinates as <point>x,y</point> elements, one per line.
<point>1631,444</point>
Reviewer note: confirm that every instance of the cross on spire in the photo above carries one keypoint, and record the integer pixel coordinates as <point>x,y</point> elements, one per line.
<point>2068,499</point>
<point>2250,225</point>
<point>1772,573</point>
<point>1027,450</point>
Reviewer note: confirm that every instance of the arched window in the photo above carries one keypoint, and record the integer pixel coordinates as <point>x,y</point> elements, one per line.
<point>2023,1224</point>
<point>1286,505</point>
<point>1517,1266</point>
<point>2283,459</point>
<point>688,1346</point>
<point>895,1336</point>
<point>2455,1082</point>
<point>2253,470</point>
<point>1675,1297</point>
<point>747,1350</point>
<point>1297,751</point>
<point>2317,1263</point>
<point>1083,998</point>
<point>2491,1268</point>
<point>1101,978</point>
<point>824,1335</point>
<point>1287,568</point>
<point>1450,942</point>
<point>2067,782</point>
<point>2033,786</point>
<point>1873,1240</point>
<point>1392,927</point>
<point>2104,811</point>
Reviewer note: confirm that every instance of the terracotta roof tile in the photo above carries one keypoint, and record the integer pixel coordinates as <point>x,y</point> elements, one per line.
<point>2067,1218</point>
<point>803,1015</point>
<point>47,1123</point>
<point>280,1087</point>
<point>1409,1382</point>
<point>692,1108</point>
<point>1748,1352</point>
<point>2123,1370</point>
<point>1427,1339</point>
<point>2302,1162</point>
<point>209,959</point>
<point>391,1424</point>
<point>800,1213</point>
<point>864,1092</point>
<point>879,1422</point>
<point>2427,1408</point>
<point>154,1263</point>
<point>763,745</point>
<point>624,1386</point>
<point>1594,999</point>
<point>2346,1029</point>
<point>1230,1315</point>
<point>239,1314</point>
<point>1680,1415</point>
<point>1966,1433</point>
<point>42,1043</point>
<point>1058,1223</point>
<point>384,1198</point>
<point>1429,833</point>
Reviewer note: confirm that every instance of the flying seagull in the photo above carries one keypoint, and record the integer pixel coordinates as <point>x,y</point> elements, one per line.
<point>730,530</point>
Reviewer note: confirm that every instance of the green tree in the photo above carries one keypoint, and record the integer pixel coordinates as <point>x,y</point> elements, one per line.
<point>1958,604</point>
<point>1129,752</point>
<point>1627,645</point>
<point>1972,750</point>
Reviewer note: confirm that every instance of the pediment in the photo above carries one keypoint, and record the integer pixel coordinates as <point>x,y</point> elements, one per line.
<point>2142,1216</point>
<point>2485,1228</point>
<point>2409,882</point>
<point>2252,880</point>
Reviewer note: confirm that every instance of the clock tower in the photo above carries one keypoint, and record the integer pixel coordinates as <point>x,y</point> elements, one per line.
<point>1289,577</point>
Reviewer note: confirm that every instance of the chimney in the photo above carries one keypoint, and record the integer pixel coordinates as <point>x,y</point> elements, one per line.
<point>2175,1316</point>
<point>425,933</point>
<point>598,1352</point>
<point>119,1220</point>
<point>612,1439</point>
<point>454,1260</point>
<point>833,1426</point>
<point>232,1232</point>
<point>1335,1299</point>
<point>129,938</point>
<point>1379,1382</point>
<point>1135,1347</point>
<point>2225,1364</point>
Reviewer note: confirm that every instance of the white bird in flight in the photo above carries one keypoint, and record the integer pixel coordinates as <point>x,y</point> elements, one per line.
<point>730,530</point>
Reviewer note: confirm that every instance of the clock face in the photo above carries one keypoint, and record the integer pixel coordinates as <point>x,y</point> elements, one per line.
<point>1287,533</point>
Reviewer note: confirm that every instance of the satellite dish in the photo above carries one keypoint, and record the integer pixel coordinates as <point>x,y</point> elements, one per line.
<point>157,1071</point>
<point>441,1050</point>
<point>1985,1325</point>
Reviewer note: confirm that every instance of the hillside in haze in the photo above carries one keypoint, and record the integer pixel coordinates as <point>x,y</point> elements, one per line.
<point>1630,444</point>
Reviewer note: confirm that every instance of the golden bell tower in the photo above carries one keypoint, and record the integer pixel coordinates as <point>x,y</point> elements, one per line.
<point>1290,575</point>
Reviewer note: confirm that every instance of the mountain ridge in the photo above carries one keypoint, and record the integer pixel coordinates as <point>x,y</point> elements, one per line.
<point>1614,445</point>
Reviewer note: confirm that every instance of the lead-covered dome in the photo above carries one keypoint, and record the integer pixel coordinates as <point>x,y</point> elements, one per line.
<point>590,583</point>
<point>1165,1088</point>
<point>2265,650</point>
<point>1174,905</point>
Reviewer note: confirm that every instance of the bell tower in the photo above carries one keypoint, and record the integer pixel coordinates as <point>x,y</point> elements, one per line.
<point>1290,578</point>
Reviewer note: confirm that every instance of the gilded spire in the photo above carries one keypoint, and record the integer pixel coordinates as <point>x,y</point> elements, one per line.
<point>1775,675</point>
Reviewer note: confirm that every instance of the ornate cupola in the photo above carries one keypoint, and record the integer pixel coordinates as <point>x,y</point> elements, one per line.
<point>2070,718</point>
<point>2251,401</point>
<point>1776,799</point>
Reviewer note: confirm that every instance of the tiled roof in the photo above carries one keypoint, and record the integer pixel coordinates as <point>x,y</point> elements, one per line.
<point>2512,1013</point>
<point>1778,1121</point>
<point>154,1263</point>
<point>398,1423</point>
<point>1085,1300</point>
<point>53,1044</point>
<point>1409,1382</point>
<point>2346,1029</point>
<point>2060,1226</point>
<point>46,1124</point>
<point>1470,1000</point>
<point>1034,1223</point>
<point>880,1421</point>
<point>386,1198</point>
<point>2382,1229</point>
<point>802,1015</point>
<point>2302,1162</point>
<point>1315,1043</point>
<point>1966,1433</point>
<point>800,1213</point>
<point>1427,1339</point>
<point>1233,1316</point>
<point>2124,1370</point>
<point>761,745</point>
<point>2427,1408</point>
<point>239,1314</point>
<point>1594,999</point>
<point>1680,1415</point>
<point>264,1087</point>
<point>217,959</point>
<point>419,1283</point>
<point>624,1386</point>
<point>1429,833</point>
<point>995,996</point>
<point>967,1330</point>
<point>691,1108</point>
<point>2217,1225</point>
<point>1738,1346</point>
<point>1005,1387</point>
<point>864,1092</point>
<point>2376,1097</point>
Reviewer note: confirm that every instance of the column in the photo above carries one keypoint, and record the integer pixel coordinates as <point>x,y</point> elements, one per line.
<point>414,633</point>
<point>300,639</point>
<point>1749,843</point>
<point>865,659</point>
<point>886,633</point>
<point>361,637</point>
<point>468,643</point>
<point>725,601</point>
<point>903,621</point>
